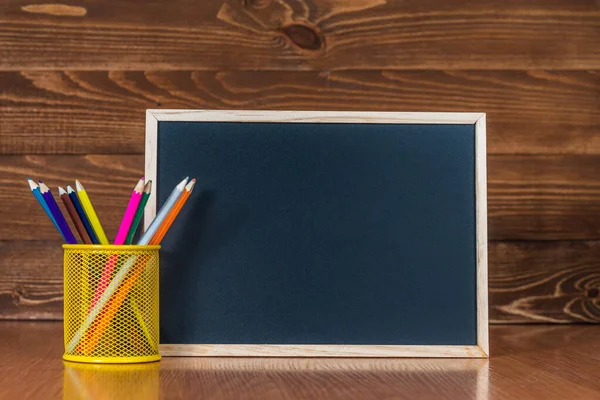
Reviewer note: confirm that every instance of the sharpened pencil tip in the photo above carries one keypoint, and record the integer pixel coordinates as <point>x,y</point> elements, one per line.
<point>32,184</point>
<point>190,185</point>
<point>61,191</point>
<point>182,184</point>
<point>139,187</point>
<point>79,186</point>
<point>70,189</point>
<point>148,187</point>
<point>43,187</point>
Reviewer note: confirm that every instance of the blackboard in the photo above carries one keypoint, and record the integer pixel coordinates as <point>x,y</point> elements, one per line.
<point>321,233</point>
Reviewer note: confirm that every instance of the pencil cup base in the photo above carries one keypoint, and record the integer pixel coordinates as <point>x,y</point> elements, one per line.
<point>111,360</point>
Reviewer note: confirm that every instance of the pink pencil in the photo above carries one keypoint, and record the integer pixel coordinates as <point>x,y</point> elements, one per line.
<point>134,201</point>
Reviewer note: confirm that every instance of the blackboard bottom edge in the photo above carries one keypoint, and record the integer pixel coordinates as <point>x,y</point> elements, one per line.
<point>291,350</point>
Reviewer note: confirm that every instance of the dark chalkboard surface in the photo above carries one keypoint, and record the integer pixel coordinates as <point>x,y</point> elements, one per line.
<point>320,234</point>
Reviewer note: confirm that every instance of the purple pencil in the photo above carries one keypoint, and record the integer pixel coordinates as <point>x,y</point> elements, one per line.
<point>60,219</point>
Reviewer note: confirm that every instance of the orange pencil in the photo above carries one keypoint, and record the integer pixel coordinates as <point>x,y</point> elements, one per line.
<point>164,227</point>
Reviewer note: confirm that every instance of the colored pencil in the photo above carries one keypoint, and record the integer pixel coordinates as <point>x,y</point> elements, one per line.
<point>60,219</point>
<point>115,288</point>
<point>164,227</point>
<point>35,189</point>
<point>86,222</point>
<point>134,200</point>
<point>91,213</point>
<point>140,318</point>
<point>164,211</point>
<point>139,212</point>
<point>64,196</point>
<point>130,211</point>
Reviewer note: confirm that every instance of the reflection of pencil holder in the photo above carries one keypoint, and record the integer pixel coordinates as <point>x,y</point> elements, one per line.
<point>94,381</point>
<point>111,312</point>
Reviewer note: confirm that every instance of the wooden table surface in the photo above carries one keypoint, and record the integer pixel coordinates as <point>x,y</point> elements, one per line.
<point>535,361</point>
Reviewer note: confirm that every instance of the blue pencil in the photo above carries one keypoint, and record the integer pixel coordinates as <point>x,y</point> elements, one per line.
<point>86,222</point>
<point>35,189</point>
<point>60,219</point>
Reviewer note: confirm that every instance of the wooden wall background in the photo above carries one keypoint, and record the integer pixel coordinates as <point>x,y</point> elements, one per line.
<point>76,77</point>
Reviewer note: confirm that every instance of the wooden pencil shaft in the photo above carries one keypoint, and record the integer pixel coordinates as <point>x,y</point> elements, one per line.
<point>137,218</point>
<point>130,211</point>
<point>91,213</point>
<point>85,238</point>
<point>162,230</point>
<point>60,219</point>
<point>38,195</point>
<point>35,189</point>
<point>163,212</point>
<point>83,216</point>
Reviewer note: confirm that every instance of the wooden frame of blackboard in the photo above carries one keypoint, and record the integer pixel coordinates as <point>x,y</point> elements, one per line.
<point>481,349</point>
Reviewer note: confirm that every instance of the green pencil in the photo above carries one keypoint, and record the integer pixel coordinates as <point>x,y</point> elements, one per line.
<point>139,212</point>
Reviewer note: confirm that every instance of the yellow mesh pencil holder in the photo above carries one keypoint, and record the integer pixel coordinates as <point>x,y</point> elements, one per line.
<point>111,310</point>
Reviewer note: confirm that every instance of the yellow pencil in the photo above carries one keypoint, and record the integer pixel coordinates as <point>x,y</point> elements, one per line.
<point>91,213</point>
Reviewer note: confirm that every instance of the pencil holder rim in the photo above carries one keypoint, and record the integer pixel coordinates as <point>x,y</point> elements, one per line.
<point>110,247</point>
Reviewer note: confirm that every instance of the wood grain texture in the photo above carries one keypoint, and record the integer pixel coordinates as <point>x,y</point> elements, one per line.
<point>540,362</point>
<point>545,282</point>
<point>31,280</point>
<point>481,239</point>
<point>529,282</point>
<point>320,117</point>
<point>150,164</point>
<point>85,112</point>
<point>301,35</point>
<point>325,350</point>
<point>529,197</point>
<point>543,197</point>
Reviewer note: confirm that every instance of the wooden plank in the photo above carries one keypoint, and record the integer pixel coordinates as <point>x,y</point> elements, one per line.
<point>321,117</point>
<point>82,112</point>
<point>545,282</point>
<point>543,197</point>
<point>529,282</point>
<point>31,280</point>
<point>301,35</point>
<point>151,145</point>
<point>529,197</point>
